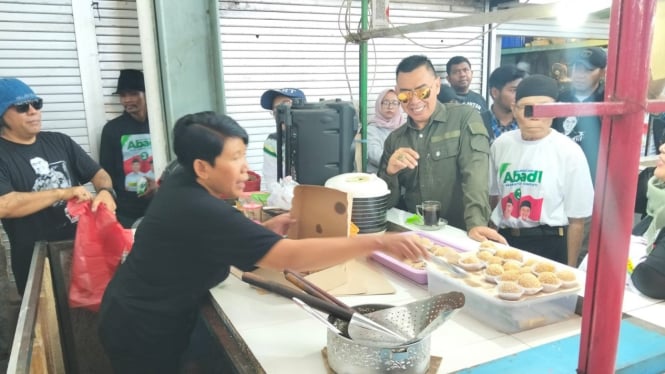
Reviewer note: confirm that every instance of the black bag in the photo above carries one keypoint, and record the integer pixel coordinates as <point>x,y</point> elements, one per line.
<point>641,194</point>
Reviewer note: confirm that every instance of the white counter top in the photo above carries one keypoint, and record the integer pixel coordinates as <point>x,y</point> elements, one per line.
<point>285,339</point>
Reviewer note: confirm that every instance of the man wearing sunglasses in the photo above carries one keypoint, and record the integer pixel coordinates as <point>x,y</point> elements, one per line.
<point>441,154</point>
<point>126,142</point>
<point>39,172</point>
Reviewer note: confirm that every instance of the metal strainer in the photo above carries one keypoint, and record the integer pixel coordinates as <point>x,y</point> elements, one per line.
<point>414,320</point>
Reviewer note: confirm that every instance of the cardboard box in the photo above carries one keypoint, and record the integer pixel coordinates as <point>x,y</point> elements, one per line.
<point>322,212</point>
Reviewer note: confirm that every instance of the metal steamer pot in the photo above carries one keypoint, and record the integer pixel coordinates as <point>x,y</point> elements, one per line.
<point>346,356</point>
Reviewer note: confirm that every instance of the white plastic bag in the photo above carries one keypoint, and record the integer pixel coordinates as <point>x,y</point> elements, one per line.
<point>281,193</point>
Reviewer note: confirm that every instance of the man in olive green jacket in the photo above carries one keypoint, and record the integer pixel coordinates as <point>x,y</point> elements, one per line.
<point>441,154</point>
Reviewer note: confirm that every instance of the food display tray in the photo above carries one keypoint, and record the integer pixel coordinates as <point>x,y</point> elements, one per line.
<point>406,270</point>
<point>483,303</point>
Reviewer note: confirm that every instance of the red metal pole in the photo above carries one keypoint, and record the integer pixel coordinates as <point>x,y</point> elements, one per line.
<point>616,183</point>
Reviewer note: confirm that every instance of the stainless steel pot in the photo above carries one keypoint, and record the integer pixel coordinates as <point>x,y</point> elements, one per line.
<point>346,356</point>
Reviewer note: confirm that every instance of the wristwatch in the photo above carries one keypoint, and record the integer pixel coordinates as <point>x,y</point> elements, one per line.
<point>109,190</point>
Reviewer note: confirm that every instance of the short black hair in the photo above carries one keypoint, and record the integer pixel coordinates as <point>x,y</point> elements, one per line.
<point>456,61</point>
<point>525,203</point>
<point>412,63</point>
<point>503,75</point>
<point>201,136</point>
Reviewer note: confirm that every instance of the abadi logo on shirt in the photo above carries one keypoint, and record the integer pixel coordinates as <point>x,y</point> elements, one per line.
<point>527,176</point>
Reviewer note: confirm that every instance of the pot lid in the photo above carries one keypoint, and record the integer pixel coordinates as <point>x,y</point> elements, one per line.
<point>359,184</point>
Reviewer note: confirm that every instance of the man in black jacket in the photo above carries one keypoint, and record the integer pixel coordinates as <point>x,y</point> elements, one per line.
<point>587,86</point>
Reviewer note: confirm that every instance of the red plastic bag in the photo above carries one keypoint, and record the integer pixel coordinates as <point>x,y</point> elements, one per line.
<point>98,249</point>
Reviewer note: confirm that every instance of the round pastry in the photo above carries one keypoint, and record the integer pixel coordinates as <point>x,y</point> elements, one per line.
<point>495,260</point>
<point>488,245</point>
<point>567,277</point>
<point>492,272</point>
<point>543,266</point>
<point>513,254</point>
<point>530,283</point>
<point>512,265</point>
<point>509,276</point>
<point>549,281</point>
<point>510,290</point>
<point>415,264</point>
<point>470,263</point>
<point>525,269</point>
<point>484,255</point>
<point>501,253</point>
<point>530,262</point>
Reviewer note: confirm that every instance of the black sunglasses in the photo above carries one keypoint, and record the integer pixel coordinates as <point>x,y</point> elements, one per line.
<point>25,106</point>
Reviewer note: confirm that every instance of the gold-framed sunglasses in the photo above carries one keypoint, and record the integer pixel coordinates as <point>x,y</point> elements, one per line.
<point>421,93</point>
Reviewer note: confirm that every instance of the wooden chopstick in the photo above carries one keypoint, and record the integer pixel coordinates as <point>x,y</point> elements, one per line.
<point>299,281</point>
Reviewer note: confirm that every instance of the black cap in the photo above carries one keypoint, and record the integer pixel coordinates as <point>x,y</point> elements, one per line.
<point>592,58</point>
<point>537,85</point>
<point>130,80</point>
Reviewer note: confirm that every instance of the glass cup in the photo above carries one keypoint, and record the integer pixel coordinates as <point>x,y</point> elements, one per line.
<point>429,211</point>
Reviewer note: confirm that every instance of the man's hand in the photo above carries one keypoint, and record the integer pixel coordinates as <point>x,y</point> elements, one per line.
<point>151,189</point>
<point>279,224</point>
<point>402,158</point>
<point>79,193</point>
<point>482,233</point>
<point>104,197</point>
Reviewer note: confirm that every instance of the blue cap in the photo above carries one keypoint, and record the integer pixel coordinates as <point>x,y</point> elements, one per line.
<point>13,91</point>
<point>270,95</point>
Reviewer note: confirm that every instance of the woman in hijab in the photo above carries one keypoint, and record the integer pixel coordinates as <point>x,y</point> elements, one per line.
<point>649,275</point>
<point>387,117</point>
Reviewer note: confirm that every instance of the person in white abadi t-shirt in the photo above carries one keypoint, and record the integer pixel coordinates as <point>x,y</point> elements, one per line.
<point>545,171</point>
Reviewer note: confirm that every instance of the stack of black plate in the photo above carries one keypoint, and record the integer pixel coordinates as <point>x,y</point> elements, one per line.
<point>369,213</point>
<point>370,199</point>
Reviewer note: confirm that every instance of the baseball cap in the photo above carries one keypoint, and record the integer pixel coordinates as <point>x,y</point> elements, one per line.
<point>592,58</point>
<point>130,80</point>
<point>14,91</point>
<point>270,95</point>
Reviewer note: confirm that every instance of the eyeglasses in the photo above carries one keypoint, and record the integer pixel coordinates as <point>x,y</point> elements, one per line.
<point>389,103</point>
<point>25,106</point>
<point>421,93</point>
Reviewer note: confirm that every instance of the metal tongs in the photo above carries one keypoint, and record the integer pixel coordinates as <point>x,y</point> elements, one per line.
<point>443,262</point>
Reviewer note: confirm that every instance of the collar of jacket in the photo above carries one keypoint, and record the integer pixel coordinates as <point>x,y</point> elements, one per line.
<point>440,114</point>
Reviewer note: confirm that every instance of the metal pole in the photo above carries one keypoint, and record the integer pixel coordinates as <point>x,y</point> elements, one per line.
<point>627,79</point>
<point>363,84</point>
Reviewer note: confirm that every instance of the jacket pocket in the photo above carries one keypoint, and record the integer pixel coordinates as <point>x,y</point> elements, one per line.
<point>444,149</point>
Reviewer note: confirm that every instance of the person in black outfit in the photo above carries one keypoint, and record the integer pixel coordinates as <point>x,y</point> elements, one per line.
<point>459,75</point>
<point>587,86</point>
<point>39,172</point>
<point>190,237</point>
<point>126,141</point>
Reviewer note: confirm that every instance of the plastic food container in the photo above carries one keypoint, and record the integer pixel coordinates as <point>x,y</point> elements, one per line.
<point>404,269</point>
<point>484,304</point>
